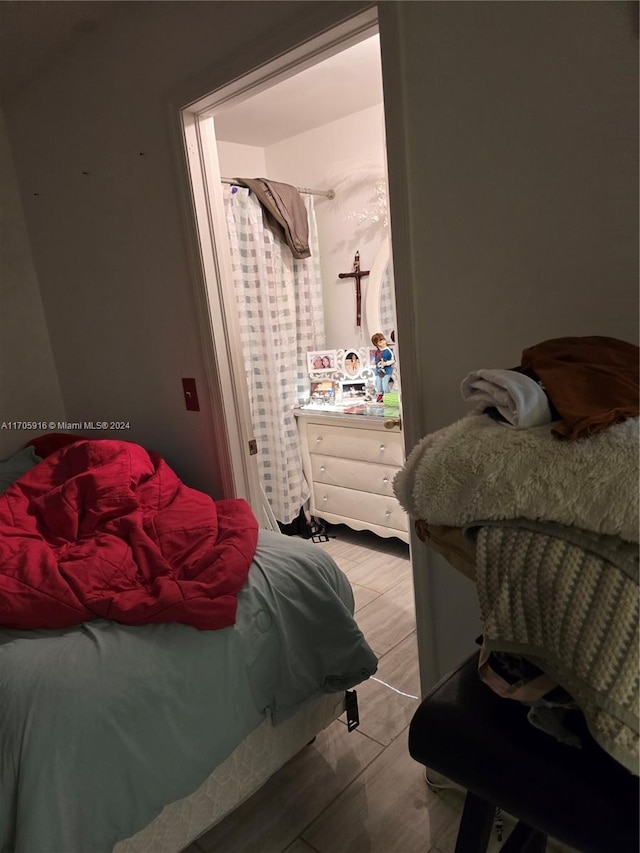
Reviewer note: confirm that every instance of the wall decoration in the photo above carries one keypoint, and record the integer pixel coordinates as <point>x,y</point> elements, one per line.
<point>357,274</point>
<point>322,361</point>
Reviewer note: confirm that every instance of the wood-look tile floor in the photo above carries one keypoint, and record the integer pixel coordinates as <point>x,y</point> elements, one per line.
<point>359,791</point>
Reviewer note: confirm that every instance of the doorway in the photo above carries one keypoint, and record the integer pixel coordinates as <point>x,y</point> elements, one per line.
<point>318,126</point>
<point>321,130</point>
<point>314,121</point>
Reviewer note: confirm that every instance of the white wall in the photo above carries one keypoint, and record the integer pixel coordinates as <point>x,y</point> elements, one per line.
<point>521,142</point>
<point>29,387</point>
<point>241,161</point>
<point>345,155</point>
<point>518,221</point>
<point>109,246</point>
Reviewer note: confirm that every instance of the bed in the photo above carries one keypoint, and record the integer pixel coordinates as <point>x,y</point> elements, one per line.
<point>547,530</point>
<point>131,728</point>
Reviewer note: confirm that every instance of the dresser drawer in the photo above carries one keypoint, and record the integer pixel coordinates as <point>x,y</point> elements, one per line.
<point>367,445</point>
<point>381,510</point>
<point>353,474</point>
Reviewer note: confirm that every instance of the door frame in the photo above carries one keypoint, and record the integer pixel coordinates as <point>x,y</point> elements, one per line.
<point>218,321</point>
<point>213,269</point>
<point>210,266</point>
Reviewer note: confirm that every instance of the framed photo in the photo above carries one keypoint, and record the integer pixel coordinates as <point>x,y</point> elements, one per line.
<point>352,364</point>
<point>353,390</point>
<point>322,361</point>
<point>323,389</point>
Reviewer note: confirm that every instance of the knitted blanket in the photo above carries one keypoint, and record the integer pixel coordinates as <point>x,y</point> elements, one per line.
<point>573,611</point>
<point>476,468</point>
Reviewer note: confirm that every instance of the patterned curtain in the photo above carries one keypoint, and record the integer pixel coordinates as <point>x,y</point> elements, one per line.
<point>387,303</point>
<point>279,303</point>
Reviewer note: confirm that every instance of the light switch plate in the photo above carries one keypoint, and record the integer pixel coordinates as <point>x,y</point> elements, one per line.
<point>190,395</point>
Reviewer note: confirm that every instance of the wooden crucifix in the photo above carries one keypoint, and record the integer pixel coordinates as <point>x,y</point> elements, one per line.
<point>358,274</point>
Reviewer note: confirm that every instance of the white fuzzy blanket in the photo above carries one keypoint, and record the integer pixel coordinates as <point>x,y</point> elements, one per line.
<point>477,469</point>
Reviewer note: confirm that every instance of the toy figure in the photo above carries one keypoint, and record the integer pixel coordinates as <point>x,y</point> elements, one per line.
<point>384,364</point>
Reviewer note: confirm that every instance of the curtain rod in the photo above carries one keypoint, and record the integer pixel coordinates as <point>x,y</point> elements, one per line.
<point>327,193</point>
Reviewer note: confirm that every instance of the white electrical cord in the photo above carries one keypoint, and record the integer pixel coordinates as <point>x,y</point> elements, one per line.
<point>395,689</point>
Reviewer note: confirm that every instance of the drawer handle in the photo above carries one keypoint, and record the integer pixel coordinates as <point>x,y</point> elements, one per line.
<point>325,498</point>
<point>385,480</point>
<point>388,513</point>
<point>322,469</point>
<point>383,447</point>
<point>318,439</point>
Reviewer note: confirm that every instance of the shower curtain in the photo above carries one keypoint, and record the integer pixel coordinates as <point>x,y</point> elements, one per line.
<point>279,301</point>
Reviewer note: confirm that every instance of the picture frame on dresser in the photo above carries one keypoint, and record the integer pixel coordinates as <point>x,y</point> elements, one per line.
<point>351,364</point>
<point>322,361</point>
<point>353,390</point>
<point>323,389</point>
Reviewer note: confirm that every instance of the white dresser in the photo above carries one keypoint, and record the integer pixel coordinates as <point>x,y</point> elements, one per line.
<point>350,462</point>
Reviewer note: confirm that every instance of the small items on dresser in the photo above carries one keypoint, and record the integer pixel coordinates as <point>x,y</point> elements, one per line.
<point>342,377</point>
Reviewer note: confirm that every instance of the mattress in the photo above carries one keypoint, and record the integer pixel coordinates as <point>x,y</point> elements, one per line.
<point>103,724</point>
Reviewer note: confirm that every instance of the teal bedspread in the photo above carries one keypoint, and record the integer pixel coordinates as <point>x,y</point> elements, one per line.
<point>103,724</point>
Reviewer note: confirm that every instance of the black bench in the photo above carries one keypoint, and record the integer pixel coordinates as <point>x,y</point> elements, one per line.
<point>581,797</point>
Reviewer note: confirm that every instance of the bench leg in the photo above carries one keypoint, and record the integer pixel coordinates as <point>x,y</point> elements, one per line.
<point>475,826</point>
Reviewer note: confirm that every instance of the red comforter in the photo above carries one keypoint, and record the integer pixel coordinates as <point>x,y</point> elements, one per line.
<point>106,529</point>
